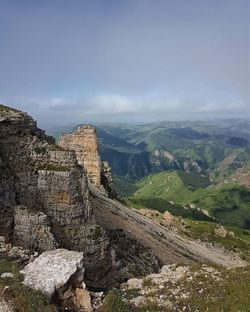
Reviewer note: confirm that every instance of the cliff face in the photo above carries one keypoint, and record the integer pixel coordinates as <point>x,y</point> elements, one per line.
<point>242,177</point>
<point>44,197</point>
<point>85,144</point>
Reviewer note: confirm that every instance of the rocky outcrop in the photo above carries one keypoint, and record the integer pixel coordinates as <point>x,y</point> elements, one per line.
<point>32,230</point>
<point>52,270</point>
<point>45,198</point>
<point>85,144</point>
<point>166,290</point>
<point>168,246</point>
<point>59,274</point>
<point>163,160</point>
<point>242,177</point>
<point>107,180</point>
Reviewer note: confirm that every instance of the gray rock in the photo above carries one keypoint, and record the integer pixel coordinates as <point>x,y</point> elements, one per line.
<point>7,275</point>
<point>2,239</point>
<point>53,269</point>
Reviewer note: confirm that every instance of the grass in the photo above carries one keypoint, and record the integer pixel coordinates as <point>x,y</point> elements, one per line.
<point>171,185</point>
<point>114,303</point>
<point>53,167</point>
<point>7,108</point>
<point>229,292</point>
<point>147,282</point>
<point>229,204</point>
<point>123,186</point>
<point>23,298</point>
<point>205,231</point>
<point>95,233</point>
<point>163,205</point>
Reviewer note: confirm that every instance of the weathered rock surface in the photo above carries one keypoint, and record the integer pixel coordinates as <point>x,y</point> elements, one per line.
<point>220,231</point>
<point>32,230</point>
<point>53,270</point>
<point>167,245</point>
<point>242,177</point>
<point>166,288</point>
<point>85,144</point>
<point>52,189</point>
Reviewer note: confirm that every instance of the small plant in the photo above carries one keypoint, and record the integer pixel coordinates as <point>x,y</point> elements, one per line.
<point>147,282</point>
<point>39,150</point>
<point>23,298</point>
<point>95,233</point>
<point>54,167</point>
<point>113,303</point>
<point>7,108</point>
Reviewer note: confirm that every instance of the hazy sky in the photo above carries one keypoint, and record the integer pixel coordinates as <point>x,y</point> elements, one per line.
<point>70,61</point>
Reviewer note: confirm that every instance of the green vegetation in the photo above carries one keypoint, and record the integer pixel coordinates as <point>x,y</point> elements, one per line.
<point>147,282</point>
<point>23,298</point>
<point>219,148</point>
<point>7,108</point>
<point>95,233</point>
<point>229,292</point>
<point>171,185</point>
<point>113,303</point>
<point>206,232</point>
<point>124,187</point>
<point>162,205</point>
<point>53,167</point>
<point>39,150</point>
<point>229,204</point>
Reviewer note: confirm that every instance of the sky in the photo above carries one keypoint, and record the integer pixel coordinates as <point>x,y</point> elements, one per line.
<point>75,61</point>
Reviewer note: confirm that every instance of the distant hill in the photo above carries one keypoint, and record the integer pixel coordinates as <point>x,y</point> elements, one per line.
<point>228,204</point>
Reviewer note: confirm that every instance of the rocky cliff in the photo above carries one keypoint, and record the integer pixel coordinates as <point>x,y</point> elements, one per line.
<point>54,197</point>
<point>84,143</point>
<point>44,197</point>
<point>46,202</point>
<point>242,176</point>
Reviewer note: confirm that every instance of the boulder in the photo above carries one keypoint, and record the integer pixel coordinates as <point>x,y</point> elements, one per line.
<point>221,231</point>
<point>2,239</point>
<point>83,300</point>
<point>7,275</point>
<point>134,283</point>
<point>167,216</point>
<point>52,270</point>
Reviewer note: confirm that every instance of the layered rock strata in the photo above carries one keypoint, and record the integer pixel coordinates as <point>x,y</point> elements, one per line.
<point>44,196</point>
<point>84,143</point>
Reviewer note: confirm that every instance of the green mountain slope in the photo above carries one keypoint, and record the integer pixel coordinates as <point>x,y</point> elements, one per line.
<point>176,186</point>
<point>229,204</point>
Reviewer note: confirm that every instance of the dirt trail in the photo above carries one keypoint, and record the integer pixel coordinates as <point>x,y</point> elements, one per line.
<point>168,246</point>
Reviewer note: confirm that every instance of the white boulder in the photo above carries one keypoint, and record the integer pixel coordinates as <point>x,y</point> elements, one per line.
<point>53,269</point>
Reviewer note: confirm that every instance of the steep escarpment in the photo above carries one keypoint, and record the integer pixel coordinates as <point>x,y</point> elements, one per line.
<point>84,143</point>
<point>44,196</point>
<point>46,201</point>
